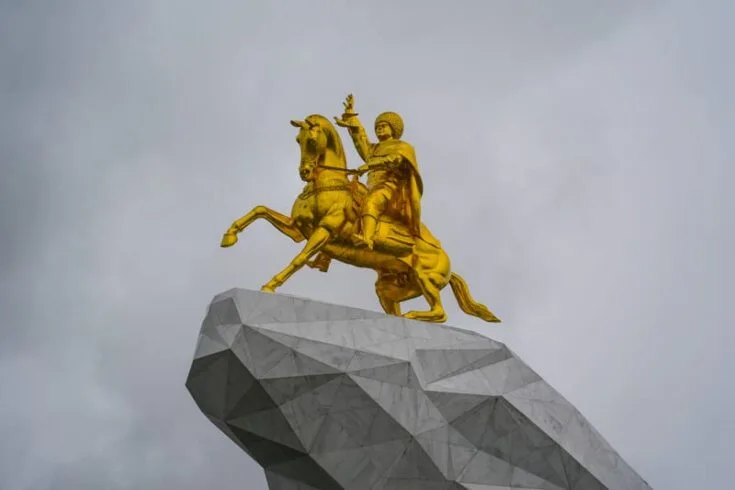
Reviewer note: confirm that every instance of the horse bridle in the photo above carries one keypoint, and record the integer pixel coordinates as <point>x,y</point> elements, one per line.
<point>338,187</point>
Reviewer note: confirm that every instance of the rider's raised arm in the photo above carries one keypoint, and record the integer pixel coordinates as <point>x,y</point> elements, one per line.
<point>358,134</point>
<point>359,138</point>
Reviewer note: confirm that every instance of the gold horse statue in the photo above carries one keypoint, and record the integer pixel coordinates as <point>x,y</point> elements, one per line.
<point>327,216</point>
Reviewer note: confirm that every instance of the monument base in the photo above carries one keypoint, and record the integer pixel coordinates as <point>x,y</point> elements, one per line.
<point>327,397</point>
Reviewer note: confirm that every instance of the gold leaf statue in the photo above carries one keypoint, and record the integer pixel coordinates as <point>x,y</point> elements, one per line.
<point>376,226</point>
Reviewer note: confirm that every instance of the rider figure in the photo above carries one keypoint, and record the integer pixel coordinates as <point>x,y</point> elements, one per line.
<point>393,176</point>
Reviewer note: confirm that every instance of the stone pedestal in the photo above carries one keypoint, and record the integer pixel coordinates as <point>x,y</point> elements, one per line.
<point>326,397</point>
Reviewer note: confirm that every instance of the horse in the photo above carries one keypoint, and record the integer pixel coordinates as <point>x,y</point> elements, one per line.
<point>326,215</point>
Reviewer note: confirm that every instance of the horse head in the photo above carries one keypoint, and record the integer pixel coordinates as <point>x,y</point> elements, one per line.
<point>320,145</point>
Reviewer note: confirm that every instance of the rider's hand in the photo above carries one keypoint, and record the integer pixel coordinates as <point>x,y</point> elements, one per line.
<point>347,120</point>
<point>349,105</point>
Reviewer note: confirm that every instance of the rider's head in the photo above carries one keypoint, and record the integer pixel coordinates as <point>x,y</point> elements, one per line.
<point>388,125</point>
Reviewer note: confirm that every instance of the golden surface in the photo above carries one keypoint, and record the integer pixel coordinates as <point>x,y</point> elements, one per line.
<point>376,226</point>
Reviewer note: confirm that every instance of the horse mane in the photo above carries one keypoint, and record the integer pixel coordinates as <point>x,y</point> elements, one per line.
<point>334,141</point>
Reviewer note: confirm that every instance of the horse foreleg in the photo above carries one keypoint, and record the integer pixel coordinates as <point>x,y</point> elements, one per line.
<point>321,262</point>
<point>314,244</point>
<point>281,222</point>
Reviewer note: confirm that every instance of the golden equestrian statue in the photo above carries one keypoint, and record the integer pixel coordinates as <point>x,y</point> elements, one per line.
<point>376,226</point>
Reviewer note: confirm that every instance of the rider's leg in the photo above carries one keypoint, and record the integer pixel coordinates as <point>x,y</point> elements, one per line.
<point>375,205</point>
<point>369,225</point>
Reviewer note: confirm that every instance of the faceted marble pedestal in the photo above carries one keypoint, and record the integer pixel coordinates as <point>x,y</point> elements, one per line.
<point>326,397</point>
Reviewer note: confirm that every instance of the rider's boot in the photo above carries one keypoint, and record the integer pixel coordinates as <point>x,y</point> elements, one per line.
<point>369,225</point>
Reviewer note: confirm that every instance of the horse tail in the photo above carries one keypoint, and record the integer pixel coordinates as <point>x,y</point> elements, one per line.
<point>466,303</point>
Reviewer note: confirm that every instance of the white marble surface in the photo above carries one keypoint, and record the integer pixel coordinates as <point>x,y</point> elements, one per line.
<point>330,397</point>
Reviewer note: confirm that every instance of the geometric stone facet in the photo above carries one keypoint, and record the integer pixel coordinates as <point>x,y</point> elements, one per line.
<point>327,397</point>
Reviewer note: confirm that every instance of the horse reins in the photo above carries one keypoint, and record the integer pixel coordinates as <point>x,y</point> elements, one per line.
<point>339,169</point>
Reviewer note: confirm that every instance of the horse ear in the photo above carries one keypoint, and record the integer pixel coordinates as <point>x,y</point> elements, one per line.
<point>298,124</point>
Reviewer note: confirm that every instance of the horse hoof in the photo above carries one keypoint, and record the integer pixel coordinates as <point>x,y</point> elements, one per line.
<point>228,240</point>
<point>415,315</point>
<point>268,289</point>
<point>425,316</point>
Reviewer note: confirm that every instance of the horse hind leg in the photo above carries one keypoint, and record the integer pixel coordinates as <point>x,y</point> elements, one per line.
<point>430,284</point>
<point>391,293</point>
<point>390,305</point>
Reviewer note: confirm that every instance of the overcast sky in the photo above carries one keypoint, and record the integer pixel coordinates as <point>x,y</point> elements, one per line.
<point>576,163</point>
